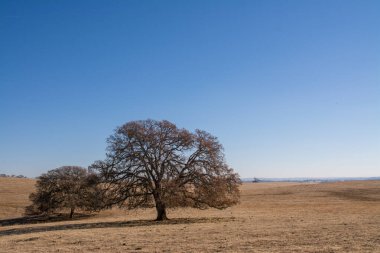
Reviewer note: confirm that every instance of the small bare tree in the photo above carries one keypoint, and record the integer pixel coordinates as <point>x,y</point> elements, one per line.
<point>68,187</point>
<point>154,163</point>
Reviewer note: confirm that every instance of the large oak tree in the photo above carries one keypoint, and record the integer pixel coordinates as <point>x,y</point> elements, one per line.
<point>154,163</point>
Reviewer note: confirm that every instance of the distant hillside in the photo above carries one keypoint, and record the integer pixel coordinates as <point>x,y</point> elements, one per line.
<point>306,179</point>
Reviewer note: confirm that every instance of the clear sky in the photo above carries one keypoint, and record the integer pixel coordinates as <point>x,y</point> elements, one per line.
<point>290,88</point>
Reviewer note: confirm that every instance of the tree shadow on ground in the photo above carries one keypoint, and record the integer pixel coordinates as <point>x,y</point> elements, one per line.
<point>43,219</point>
<point>114,224</point>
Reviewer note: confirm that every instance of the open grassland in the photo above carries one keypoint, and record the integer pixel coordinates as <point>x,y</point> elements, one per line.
<point>272,217</point>
<point>14,196</point>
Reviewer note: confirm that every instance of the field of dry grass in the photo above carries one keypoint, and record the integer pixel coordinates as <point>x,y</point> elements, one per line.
<point>14,193</point>
<point>272,217</point>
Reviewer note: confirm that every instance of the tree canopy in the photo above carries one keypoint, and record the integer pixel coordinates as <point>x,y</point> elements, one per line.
<point>67,187</point>
<point>155,163</point>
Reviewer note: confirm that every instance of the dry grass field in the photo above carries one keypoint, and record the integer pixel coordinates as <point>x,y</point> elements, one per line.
<point>272,217</point>
<point>14,193</point>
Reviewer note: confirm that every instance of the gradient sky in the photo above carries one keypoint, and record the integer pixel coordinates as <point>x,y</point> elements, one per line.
<point>290,88</point>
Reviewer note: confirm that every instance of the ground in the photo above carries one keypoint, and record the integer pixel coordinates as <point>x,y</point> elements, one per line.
<point>272,217</point>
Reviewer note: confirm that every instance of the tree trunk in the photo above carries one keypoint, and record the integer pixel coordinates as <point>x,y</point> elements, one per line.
<point>161,211</point>
<point>160,205</point>
<point>71,212</point>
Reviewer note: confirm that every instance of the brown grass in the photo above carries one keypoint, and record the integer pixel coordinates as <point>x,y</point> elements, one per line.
<point>272,217</point>
<point>14,196</point>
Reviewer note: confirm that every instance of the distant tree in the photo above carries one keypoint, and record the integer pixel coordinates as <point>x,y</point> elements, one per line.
<point>154,163</point>
<point>68,187</point>
<point>18,176</point>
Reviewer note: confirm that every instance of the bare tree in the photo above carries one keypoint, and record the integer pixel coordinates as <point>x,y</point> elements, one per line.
<point>68,187</point>
<point>154,163</point>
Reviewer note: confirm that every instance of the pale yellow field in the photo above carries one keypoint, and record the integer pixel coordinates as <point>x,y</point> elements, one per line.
<point>272,217</point>
<point>14,193</point>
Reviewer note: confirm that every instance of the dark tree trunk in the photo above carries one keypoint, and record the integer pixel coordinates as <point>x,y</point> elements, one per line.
<point>71,212</point>
<point>160,207</point>
<point>161,212</point>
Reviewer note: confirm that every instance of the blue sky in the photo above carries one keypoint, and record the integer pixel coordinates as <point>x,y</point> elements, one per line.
<point>290,88</point>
